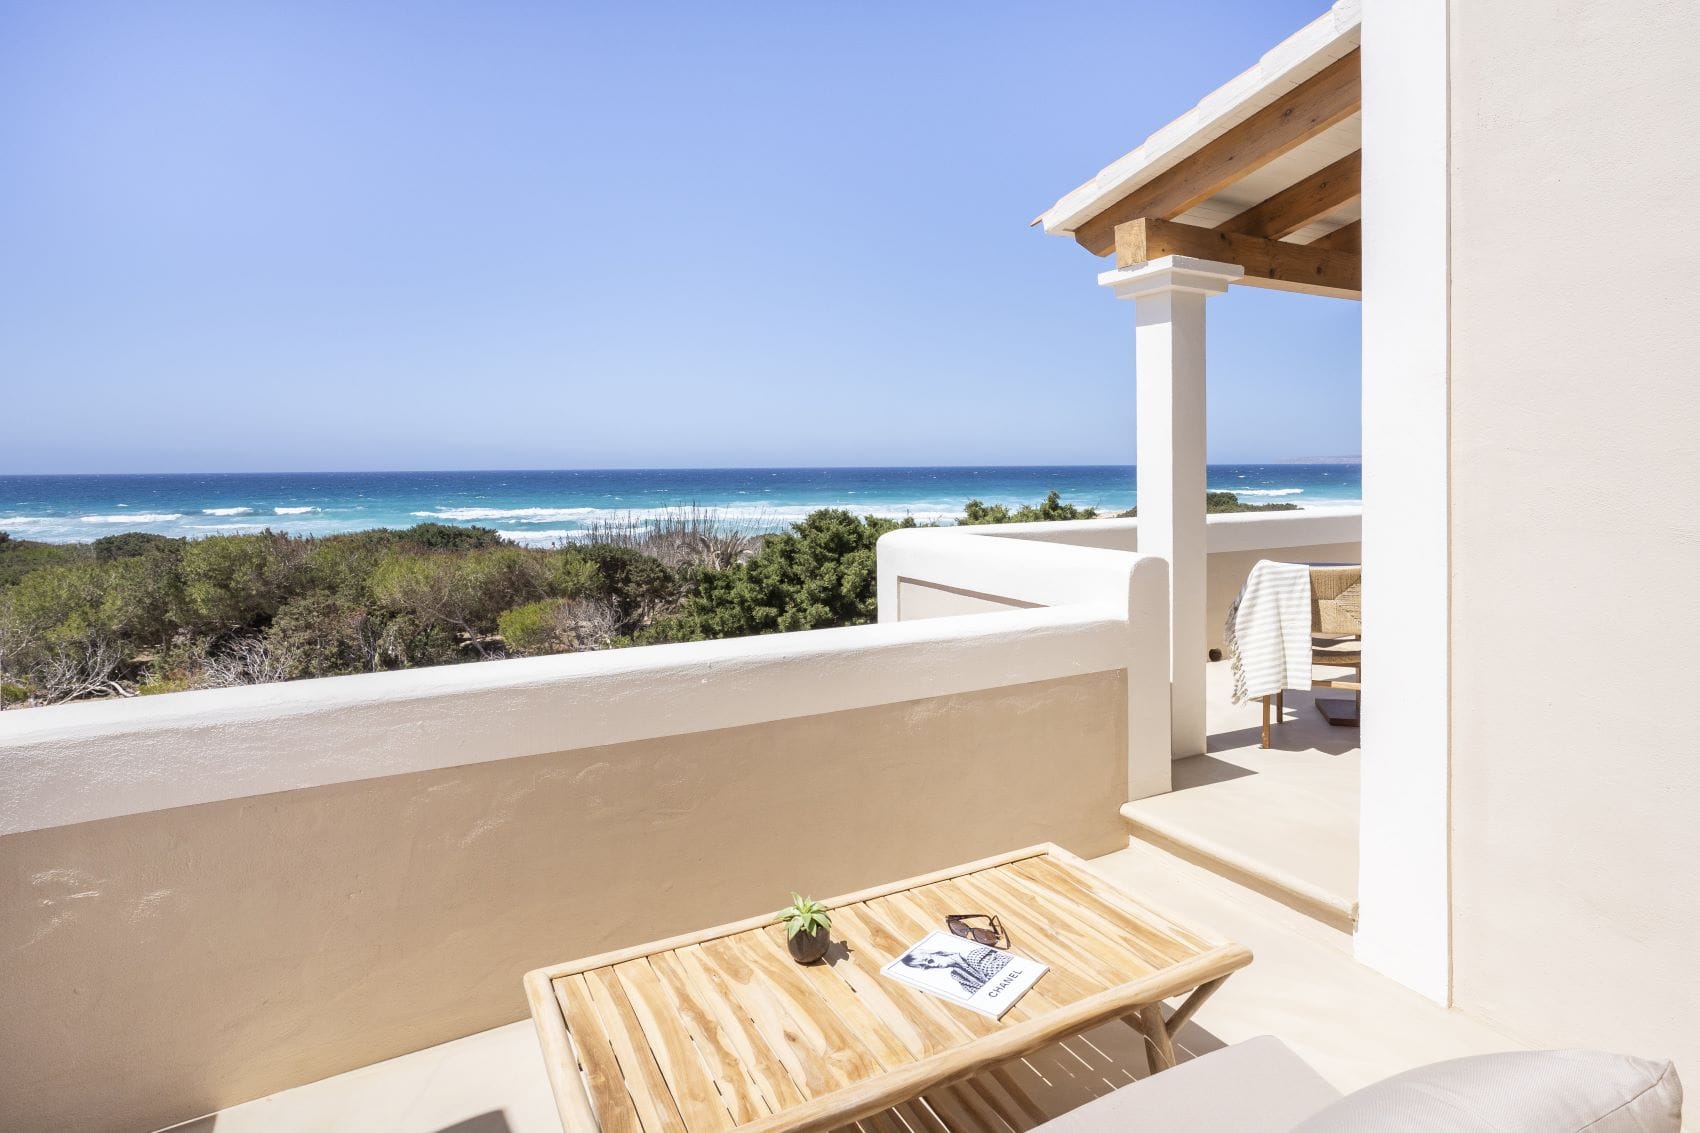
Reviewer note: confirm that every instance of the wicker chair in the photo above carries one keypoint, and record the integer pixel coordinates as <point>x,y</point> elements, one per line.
<point>1336,627</point>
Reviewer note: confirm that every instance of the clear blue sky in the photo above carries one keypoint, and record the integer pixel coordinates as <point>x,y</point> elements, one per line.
<point>300,236</point>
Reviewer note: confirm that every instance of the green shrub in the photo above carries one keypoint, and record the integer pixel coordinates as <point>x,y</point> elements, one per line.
<point>534,628</point>
<point>164,684</point>
<point>445,537</point>
<point>237,582</point>
<point>974,512</point>
<point>133,544</point>
<point>820,573</point>
<point>572,574</point>
<point>323,634</point>
<point>1222,503</point>
<point>19,557</point>
<point>461,594</point>
<point>638,586</point>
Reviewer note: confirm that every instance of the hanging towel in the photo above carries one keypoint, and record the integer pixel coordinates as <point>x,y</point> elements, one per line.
<point>1268,631</point>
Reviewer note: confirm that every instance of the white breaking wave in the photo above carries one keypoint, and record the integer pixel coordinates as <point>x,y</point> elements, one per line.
<point>140,517</point>
<point>226,510</point>
<point>521,514</point>
<point>633,518</point>
<point>1261,491</point>
<point>292,510</point>
<point>542,536</point>
<point>20,520</point>
<point>224,526</point>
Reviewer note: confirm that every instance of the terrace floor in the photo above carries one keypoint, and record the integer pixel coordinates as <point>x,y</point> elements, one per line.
<point>1354,1026</point>
<point>1282,821</point>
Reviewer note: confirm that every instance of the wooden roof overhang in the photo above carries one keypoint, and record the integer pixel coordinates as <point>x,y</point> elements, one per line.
<point>1264,173</point>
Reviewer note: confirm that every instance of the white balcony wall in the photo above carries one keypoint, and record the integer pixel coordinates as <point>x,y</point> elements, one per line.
<point>208,897</point>
<point>916,584</point>
<point>1575,542</point>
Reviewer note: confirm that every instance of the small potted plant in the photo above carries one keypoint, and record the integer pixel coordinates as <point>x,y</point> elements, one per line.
<point>806,928</point>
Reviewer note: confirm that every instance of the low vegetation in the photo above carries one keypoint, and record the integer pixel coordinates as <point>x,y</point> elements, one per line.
<point>1222,503</point>
<point>134,613</point>
<point>975,512</point>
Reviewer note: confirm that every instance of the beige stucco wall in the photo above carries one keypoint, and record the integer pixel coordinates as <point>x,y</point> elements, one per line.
<point>160,965</point>
<point>1575,535</point>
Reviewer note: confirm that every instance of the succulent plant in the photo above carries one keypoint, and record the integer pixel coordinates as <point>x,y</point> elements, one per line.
<point>804,914</point>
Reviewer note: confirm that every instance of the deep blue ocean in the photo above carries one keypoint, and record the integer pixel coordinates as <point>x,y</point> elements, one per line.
<point>550,507</point>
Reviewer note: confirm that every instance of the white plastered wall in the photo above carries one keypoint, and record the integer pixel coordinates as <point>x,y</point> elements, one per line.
<point>1403,888</point>
<point>1575,542</point>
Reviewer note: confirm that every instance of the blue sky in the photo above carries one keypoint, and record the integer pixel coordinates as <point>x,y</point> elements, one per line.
<point>297,236</point>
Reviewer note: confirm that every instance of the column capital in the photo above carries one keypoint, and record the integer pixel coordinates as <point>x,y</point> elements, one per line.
<point>1171,273</point>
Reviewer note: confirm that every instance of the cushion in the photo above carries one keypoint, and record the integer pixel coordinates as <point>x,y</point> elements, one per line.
<point>1258,1086</point>
<point>1526,1091</point>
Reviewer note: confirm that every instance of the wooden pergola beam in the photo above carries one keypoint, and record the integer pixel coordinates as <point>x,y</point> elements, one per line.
<point>1268,263</point>
<point>1321,101</point>
<point>1346,238</point>
<point>1298,205</point>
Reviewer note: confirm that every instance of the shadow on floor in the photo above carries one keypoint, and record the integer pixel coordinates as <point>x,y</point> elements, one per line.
<point>1302,729</point>
<point>493,1122</point>
<point>1203,770</point>
<point>1026,1092</point>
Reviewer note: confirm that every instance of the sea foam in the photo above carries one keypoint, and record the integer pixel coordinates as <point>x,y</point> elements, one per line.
<point>752,517</point>
<point>542,537</point>
<point>226,510</point>
<point>138,517</point>
<point>518,514</point>
<point>292,510</point>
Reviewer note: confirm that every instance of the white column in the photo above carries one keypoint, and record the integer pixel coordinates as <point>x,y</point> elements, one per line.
<point>1168,297</point>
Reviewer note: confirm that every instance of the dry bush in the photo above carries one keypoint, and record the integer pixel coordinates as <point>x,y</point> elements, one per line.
<point>244,661</point>
<point>86,669</point>
<point>683,538</point>
<point>588,623</point>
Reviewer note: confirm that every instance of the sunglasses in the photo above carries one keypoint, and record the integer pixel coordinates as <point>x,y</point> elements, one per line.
<point>981,928</point>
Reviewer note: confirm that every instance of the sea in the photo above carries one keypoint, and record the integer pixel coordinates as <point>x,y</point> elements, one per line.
<point>542,508</point>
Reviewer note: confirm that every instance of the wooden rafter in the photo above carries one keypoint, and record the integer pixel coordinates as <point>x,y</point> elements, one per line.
<point>1346,238</point>
<point>1325,99</point>
<point>1298,205</point>
<point>1268,263</point>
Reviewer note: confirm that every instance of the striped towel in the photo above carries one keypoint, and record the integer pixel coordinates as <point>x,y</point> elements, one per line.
<point>1268,631</point>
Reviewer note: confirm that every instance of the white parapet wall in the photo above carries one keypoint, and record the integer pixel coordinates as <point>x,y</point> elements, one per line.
<point>930,572</point>
<point>207,897</point>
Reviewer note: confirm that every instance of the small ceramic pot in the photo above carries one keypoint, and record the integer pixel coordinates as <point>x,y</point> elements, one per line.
<point>807,947</point>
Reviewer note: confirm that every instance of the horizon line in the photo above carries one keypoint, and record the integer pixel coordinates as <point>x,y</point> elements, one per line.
<point>1346,459</point>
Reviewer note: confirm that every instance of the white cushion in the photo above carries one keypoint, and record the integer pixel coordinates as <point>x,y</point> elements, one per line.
<point>1553,1091</point>
<point>1258,1086</point>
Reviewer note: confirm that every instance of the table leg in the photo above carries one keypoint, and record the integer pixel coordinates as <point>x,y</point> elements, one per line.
<point>1003,1078</point>
<point>1159,1051</point>
<point>1192,1003</point>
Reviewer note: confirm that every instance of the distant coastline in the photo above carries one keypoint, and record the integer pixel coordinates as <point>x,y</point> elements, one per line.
<point>542,508</point>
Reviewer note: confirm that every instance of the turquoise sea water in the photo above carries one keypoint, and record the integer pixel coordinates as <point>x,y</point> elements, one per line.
<point>544,507</point>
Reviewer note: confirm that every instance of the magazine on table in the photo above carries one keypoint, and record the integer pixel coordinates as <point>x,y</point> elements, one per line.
<point>976,976</point>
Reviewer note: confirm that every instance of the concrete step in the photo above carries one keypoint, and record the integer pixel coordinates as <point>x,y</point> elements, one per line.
<point>1186,843</point>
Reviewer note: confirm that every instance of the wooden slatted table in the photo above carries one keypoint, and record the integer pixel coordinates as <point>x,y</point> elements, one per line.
<point>720,1030</point>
